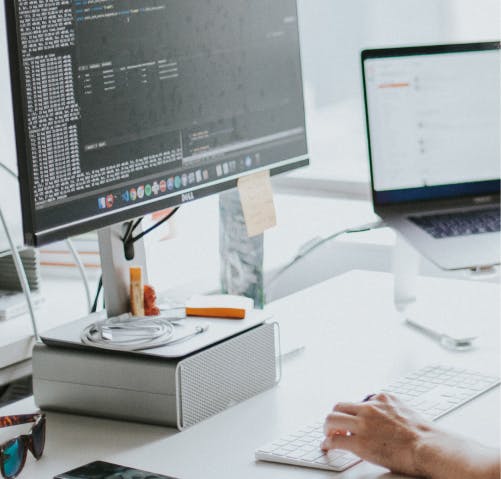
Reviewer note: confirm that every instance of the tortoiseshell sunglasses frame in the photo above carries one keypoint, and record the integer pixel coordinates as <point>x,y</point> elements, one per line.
<point>27,439</point>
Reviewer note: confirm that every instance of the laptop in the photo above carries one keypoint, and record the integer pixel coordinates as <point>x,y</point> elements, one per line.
<point>433,127</point>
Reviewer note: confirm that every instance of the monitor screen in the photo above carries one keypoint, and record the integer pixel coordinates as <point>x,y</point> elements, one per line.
<point>434,122</point>
<point>128,106</point>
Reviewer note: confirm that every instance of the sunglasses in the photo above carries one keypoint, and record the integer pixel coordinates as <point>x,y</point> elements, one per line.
<point>13,453</point>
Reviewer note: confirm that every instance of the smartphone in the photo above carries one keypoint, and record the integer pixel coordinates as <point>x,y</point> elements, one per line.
<point>106,470</point>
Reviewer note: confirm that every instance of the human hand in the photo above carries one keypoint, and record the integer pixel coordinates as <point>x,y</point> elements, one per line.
<point>386,432</point>
<point>382,430</point>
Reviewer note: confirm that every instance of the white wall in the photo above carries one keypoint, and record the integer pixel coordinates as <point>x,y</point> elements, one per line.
<point>473,20</point>
<point>333,32</point>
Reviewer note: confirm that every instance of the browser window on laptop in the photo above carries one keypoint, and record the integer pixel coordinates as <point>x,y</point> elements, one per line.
<point>434,124</point>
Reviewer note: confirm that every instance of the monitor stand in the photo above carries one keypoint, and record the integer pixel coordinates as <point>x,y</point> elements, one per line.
<point>115,267</point>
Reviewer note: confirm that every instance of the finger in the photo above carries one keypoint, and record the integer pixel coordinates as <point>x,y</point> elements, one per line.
<point>388,398</point>
<point>347,408</point>
<point>347,443</point>
<point>338,421</point>
<point>383,397</point>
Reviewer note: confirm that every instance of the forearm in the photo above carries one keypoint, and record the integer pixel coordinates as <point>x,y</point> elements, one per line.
<point>441,455</point>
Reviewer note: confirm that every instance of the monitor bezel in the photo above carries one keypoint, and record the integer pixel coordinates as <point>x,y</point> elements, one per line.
<point>430,195</point>
<point>20,122</point>
<point>34,237</point>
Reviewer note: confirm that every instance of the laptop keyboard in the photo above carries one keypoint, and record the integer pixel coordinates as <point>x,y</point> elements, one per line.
<point>446,225</point>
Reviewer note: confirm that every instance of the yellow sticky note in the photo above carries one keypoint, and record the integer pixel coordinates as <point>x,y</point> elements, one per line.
<point>256,197</point>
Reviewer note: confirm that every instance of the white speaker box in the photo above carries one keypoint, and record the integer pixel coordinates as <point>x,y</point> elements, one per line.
<point>172,392</point>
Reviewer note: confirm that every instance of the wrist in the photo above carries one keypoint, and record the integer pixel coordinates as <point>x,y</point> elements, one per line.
<point>445,456</point>
<point>426,455</point>
<point>487,464</point>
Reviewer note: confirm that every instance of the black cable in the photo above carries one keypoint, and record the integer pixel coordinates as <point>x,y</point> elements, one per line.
<point>136,224</point>
<point>131,226</point>
<point>156,225</point>
<point>127,232</point>
<point>96,299</point>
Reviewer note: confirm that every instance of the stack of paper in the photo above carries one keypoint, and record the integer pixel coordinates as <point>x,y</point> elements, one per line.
<point>13,303</point>
<point>12,299</point>
<point>9,279</point>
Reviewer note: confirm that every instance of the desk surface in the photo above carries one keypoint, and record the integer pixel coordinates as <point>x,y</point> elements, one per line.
<point>354,342</point>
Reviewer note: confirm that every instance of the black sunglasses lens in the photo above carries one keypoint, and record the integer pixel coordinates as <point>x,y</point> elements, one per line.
<point>38,438</point>
<point>13,457</point>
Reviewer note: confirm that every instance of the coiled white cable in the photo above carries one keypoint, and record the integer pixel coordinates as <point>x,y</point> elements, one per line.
<point>129,333</point>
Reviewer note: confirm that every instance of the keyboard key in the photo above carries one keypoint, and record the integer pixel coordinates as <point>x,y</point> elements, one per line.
<point>280,443</point>
<point>298,453</point>
<point>313,455</point>
<point>279,452</point>
<point>461,223</point>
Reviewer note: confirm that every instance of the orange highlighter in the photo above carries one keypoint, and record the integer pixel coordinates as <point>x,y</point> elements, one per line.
<point>211,312</point>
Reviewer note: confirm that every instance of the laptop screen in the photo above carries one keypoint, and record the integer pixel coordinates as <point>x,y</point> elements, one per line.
<point>433,121</point>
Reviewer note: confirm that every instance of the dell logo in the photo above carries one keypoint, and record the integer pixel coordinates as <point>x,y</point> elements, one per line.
<point>482,199</point>
<point>187,197</point>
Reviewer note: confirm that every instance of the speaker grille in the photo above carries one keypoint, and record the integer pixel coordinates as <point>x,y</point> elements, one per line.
<point>227,374</point>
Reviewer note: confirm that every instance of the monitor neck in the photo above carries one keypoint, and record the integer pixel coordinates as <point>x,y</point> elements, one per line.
<point>115,267</point>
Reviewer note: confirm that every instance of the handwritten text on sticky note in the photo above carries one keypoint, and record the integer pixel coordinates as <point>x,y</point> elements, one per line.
<point>256,197</point>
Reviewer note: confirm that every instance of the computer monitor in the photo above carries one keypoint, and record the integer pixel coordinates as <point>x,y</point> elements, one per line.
<point>126,107</point>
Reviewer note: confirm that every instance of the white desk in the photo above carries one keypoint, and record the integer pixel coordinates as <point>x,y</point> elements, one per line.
<point>355,343</point>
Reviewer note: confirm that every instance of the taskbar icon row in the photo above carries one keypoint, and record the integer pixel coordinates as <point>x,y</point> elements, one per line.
<point>176,182</point>
<point>155,188</point>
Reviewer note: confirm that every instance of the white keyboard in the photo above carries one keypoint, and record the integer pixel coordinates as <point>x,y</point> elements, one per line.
<point>433,391</point>
<point>437,390</point>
